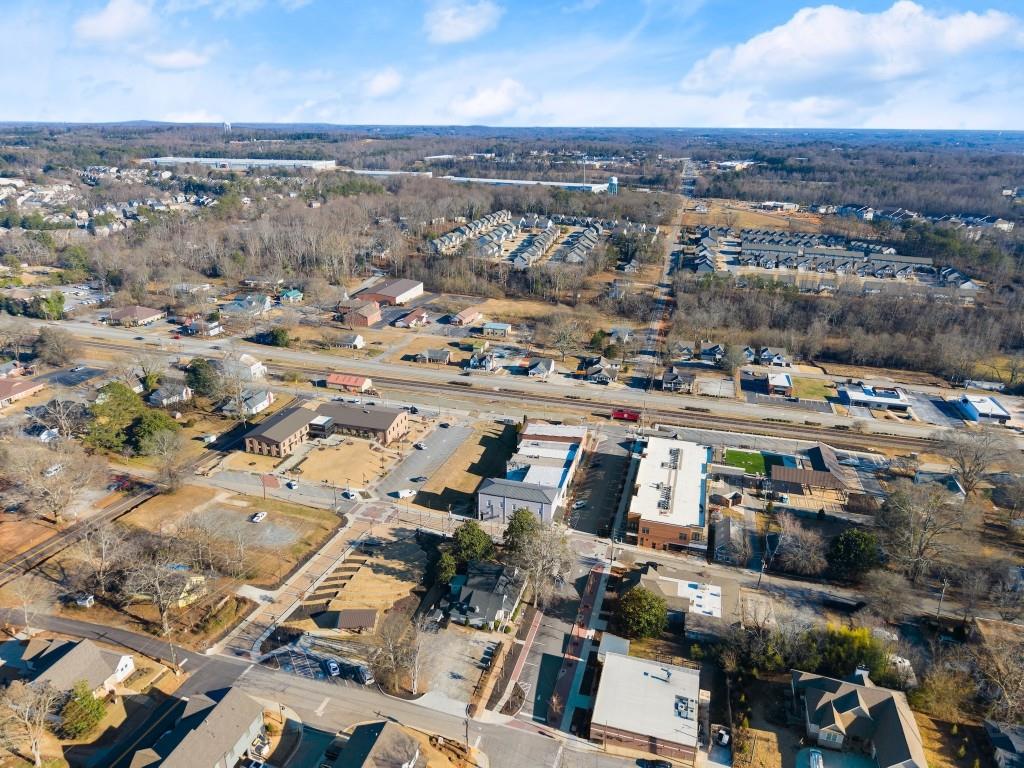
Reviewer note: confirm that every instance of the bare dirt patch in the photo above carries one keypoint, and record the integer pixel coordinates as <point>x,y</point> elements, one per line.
<point>483,454</point>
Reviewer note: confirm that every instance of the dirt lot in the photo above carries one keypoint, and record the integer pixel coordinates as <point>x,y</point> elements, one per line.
<point>941,745</point>
<point>739,215</point>
<point>250,462</point>
<point>355,462</point>
<point>857,373</point>
<point>287,534</point>
<point>482,454</point>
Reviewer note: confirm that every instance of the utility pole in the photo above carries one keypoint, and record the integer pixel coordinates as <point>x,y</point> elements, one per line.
<point>942,596</point>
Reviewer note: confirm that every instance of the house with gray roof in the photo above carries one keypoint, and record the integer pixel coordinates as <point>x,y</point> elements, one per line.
<point>855,714</point>
<point>489,595</point>
<point>382,744</point>
<point>63,663</point>
<point>206,733</point>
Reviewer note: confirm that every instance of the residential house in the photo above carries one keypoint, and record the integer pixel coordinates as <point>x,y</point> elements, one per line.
<point>772,356</point>
<point>383,744</point>
<point>348,382</point>
<point>540,368</point>
<point>413,319</point>
<point>488,596</point>
<point>466,317</point>
<point>481,361</point>
<point>205,328</point>
<point>206,732</point>
<point>248,305</point>
<point>435,356</point>
<point>135,315</point>
<point>249,403</point>
<point>675,379</point>
<point>291,296</point>
<point>351,341</point>
<point>12,390</point>
<point>261,282</point>
<point>393,292</point>
<point>245,367</point>
<point>711,353</point>
<point>170,393</point>
<point>856,715</point>
<point>1007,742</point>
<point>497,330</point>
<point>598,369</point>
<point>63,663</point>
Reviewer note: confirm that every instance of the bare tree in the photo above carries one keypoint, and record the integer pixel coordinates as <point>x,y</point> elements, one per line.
<point>393,658</point>
<point>917,524</point>
<point>26,712</point>
<point>168,447</point>
<point>52,476</point>
<point>889,595</point>
<point>68,417</point>
<point>565,334</point>
<point>55,346</point>
<point>154,576</point>
<point>800,550</point>
<point>33,594</point>
<point>102,550</point>
<point>999,663</point>
<point>973,453</point>
<point>545,561</point>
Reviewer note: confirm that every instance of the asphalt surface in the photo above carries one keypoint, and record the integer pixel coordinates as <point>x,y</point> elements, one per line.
<point>440,445</point>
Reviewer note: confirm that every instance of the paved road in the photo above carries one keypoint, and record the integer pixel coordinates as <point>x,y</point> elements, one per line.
<point>721,407</point>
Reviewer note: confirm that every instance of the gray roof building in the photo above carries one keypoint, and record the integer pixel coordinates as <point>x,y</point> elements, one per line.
<point>282,425</point>
<point>207,733</point>
<point>490,593</point>
<point>380,745</point>
<point>62,663</point>
<point>514,489</point>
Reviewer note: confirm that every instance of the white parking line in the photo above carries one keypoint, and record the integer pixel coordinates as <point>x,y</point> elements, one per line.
<point>323,707</point>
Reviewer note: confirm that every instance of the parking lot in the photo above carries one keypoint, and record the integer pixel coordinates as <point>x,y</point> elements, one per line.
<point>440,445</point>
<point>67,377</point>
<point>934,411</point>
<point>599,485</point>
<point>454,659</point>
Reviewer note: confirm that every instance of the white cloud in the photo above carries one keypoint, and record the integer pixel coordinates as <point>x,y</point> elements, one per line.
<point>820,45</point>
<point>117,20</point>
<point>488,102</point>
<point>383,83</point>
<point>450,21</point>
<point>183,58</point>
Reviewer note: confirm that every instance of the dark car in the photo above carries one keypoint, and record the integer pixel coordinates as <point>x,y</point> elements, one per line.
<point>140,338</point>
<point>444,425</point>
<point>419,479</point>
<point>653,763</point>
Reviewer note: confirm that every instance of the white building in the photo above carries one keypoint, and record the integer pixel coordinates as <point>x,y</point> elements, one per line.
<point>667,509</point>
<point>244,367</point>
<point>982,408</point>
<point>649,706</point>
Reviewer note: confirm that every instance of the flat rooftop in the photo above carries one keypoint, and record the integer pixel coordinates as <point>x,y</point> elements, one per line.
<point>648,698</point>
<point>670,482</point>
<point>986,405</point>
<point>863,392</point>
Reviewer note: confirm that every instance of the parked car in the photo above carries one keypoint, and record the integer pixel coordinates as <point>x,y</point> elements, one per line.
<point>364,675</point>
<point>420,446</point>
<point>405,493</point>
<point>413,410</point>
<point>293,484</point>
<point>579,504</point>
<point>258,517</point>
<point>78,368</point>
<point>333,669</point>
<point>444,425</point>
<point>419,479</point>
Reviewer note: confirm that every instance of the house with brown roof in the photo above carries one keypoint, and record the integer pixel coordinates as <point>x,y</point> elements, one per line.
<point>135,315</point>
<point>413,319</point>
<point>467,316</point>
<point>359,313</point>
<point>856,715</point>
<point>13,390</point>
<point>280,434</point>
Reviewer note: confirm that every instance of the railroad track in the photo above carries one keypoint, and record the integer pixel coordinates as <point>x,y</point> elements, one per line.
<point>682,416</point>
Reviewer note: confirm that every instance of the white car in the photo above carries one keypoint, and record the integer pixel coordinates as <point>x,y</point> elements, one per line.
<point>406,493</point>
<point>579,504</point>
<point>333,668</point>
<point>293,484</point>
<point>259,517</point>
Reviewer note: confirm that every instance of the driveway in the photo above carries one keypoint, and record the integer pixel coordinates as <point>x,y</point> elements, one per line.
<point>440,445</point>
<point>69,378</point>
<point>599,484</point>
<point>453,659</point>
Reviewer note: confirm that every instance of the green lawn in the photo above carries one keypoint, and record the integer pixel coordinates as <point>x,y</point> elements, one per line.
<point>812,389</point>
<point>750,462</point>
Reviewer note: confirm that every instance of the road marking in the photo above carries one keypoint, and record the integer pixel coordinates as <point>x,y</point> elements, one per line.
<point>323,707</point>
<point>246,671</point>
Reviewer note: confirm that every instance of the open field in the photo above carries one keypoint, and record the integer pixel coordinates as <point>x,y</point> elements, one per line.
<point>483,454</point>
<point>423,342</point>
<point>168,508</point>
<point>812,389</point>
<point>250,462</point>
<point>738,215</point>
<point>857,372</point>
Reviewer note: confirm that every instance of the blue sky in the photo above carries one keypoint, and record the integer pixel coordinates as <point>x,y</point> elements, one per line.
<point>758,63</point>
